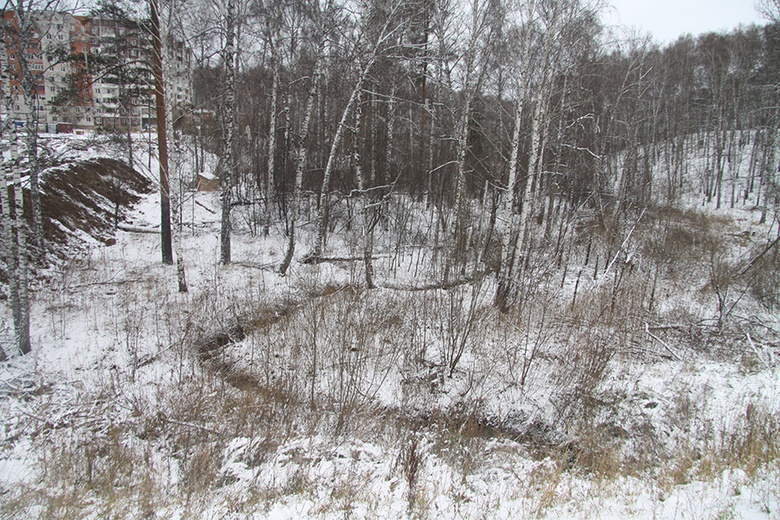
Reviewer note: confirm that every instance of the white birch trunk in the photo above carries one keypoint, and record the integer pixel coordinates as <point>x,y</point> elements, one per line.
<point>324,206</point>
<point>528,193</point>
<point>269,176</point>
<point>16,254</point>
<point>29,88</point>
<point>228,163</point>
<point>300,167</point>
<point>8,250</point>
<point>176,206</point>
<point>366,227</point>
<point>463,135</point>
<point>172,149</point>
<point>506,219</point>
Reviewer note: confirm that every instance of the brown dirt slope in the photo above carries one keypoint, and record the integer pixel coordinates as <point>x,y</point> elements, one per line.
<point>86,199</point>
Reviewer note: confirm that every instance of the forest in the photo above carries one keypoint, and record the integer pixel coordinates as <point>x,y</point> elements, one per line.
<point>525,114</point>
<point>455,260</point>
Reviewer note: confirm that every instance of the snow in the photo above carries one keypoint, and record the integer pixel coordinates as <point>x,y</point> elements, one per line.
<point>135,419</point>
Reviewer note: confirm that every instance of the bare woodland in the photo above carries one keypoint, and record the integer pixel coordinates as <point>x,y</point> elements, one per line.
<point>464,257</point>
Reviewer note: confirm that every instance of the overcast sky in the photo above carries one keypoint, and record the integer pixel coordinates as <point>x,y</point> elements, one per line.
<point>668,19</point>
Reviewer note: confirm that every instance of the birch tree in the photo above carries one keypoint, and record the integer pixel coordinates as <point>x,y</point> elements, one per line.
<point>174,153</point>
<point>544,24</point>
<point>269,188</point>
<point>381,42</point>
<point>22,34</point>
<point>300,165</point>
<point>15,248</point>
<point>367,220</point>
<point>486,18</point>
<point>228,163</point>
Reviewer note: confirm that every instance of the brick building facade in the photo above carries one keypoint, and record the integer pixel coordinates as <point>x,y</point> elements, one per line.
<point>85,72</point>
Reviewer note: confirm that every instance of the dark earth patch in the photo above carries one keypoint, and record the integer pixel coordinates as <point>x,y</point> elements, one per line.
<point>88,197</point>
<point>84,201</point>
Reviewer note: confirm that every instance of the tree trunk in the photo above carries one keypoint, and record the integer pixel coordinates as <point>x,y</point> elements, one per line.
<point>506,219</point>
<point>35,197</point>
<point>269,188</point>
<point>162,137</point>
<point>181,274</point>
<point>300,166</point>
<point>366,228</point>
<point>324,203</point>
<point>16,254</point>
<point>534,161</point>
<point>28,81</point>
<point>228,159</point>
<point>175,197</point>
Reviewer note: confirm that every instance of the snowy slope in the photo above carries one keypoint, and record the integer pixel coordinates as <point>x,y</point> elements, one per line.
<point>307,396</point>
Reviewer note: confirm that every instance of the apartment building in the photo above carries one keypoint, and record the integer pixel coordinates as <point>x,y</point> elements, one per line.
<point>88,72</point>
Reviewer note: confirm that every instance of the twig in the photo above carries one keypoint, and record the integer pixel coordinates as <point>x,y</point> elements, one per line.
<point>108,282</point>
<point>206,208</point>
<point>623,245</point>
<point>137,229</point>
<point>438,285</point>
<point>758,257</point>
<point>12,387</point>
<point>190,425</point>
<point>668,327</point>
<point>254,265</point>
<point>334,259</point>
<point>41,419</point>
<point>755,350</point>
<point>674,354</point>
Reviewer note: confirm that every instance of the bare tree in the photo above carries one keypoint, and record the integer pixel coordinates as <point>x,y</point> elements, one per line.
<point>486,17</point>
<point>227,175</point>
<point>301,160</point>
<point>769,9</point>
<point>15,248</point>
<point>174,154</point>
<point>269,188</point>
<point>23,23</point>
<point>381,42</point>
<point>162,134</point>
<point>367,210</point>
<point>544,25</point>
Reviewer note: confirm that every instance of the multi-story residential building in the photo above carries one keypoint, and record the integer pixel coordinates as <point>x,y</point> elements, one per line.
<point>90,72</point>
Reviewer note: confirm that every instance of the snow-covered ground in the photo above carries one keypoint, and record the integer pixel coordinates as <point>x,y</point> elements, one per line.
<point>260,396</point>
